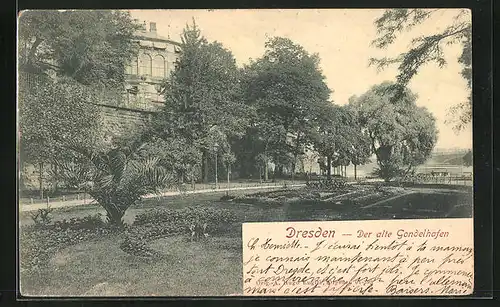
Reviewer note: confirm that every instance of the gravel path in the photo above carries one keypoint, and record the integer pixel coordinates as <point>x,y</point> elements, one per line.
<point>74,203</point>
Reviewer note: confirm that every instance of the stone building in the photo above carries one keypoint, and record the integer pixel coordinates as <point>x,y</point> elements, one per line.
<point>157,58</point>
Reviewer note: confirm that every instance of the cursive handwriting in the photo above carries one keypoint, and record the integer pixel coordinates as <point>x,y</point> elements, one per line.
<point>375,261</point>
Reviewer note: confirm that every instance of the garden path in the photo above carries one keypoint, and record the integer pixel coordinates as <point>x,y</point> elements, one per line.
<point>74,203</point>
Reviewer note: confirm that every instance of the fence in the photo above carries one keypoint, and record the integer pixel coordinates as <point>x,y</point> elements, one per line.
<point>86,199</point>
<point>231,185</point>
<point>449,180</point>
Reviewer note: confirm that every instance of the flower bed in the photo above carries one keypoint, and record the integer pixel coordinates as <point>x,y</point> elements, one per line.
<point>273,199</point>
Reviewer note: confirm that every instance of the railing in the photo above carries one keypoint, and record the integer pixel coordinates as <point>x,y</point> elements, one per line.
<point>448,180</point>
<point>84,198</point>
<point>232,185</point>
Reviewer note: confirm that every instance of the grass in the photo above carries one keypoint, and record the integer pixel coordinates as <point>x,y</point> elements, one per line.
<point>208,268</point>
<point>211,267</point>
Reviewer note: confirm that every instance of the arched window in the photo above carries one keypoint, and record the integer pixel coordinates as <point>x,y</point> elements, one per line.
<point>159,66</point>
<point>145,64</point>
<point>132,67</point>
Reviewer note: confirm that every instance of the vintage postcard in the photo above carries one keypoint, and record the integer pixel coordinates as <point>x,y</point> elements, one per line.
<point>259,152</point>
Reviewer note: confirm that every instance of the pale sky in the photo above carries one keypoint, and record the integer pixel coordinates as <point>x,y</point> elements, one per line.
<point>342,39</point>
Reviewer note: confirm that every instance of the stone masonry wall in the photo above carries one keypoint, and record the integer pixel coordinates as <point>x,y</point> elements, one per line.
<point>123,121</point>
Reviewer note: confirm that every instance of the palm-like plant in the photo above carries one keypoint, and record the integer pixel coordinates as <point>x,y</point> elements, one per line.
<point>118,177</point>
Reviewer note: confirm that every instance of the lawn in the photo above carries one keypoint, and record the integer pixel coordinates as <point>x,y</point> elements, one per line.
<point>210,266</point>
<point>101,268</point>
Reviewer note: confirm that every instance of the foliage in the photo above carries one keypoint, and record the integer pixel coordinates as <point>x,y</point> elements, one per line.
<point>64,43</point>
<point>85,61</point>
<point>202,93</point>
<point>42,216</point>
<point>286,89</point>
<point>217,219</point>
<point>360,142</point>
<point>467,159</point>
<point>53,116</point>
<point>118,177</point>
<point>401,134</point>
<point>427,49</point>
<point>38,243</point>
<point>160,222</point>
<point>86,222</point>
<point>337,138</point>
<point>176,155</point>
<point>331,184</point>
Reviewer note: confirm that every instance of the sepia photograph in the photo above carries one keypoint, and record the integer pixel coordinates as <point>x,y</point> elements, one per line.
<point>164,152</point>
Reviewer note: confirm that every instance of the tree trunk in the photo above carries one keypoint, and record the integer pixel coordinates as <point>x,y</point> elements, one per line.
<point>295,156</point>
<point>205,166</point>
<point>329,167</point>
<point>228,173</point>
<point>355,174</point>
<point>266,171</point>
<point>114,214</point>
<point>40,179</point>
<point>56,177</point>
<point>278,171</point>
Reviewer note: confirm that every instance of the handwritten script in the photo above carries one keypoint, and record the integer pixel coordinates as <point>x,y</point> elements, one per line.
<point>353,258</point>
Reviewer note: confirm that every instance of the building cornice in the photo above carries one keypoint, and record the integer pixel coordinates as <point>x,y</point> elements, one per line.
<point>156,38</point>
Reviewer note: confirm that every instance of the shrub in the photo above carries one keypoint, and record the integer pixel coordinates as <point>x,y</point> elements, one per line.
<point>227,197</point>
<point>333,184</point>
<point>161,222</point>
<point>118,177</point>
<point>42,216</point>
<point>137,247</point>
<point>87,222</point>
<point>217,219</point>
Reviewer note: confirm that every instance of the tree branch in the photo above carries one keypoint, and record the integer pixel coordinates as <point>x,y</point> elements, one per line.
<point>31,53</point>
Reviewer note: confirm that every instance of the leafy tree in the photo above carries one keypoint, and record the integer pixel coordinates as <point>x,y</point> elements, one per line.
<point>88,46</point>
<point>335,136</point>
<point>176,156</point>
<point>401,134</point>
<point>287,89</point>
<point>322,165</point>
<point>426,49</point>
<point>53,117</point>
<point>119,176</point>
<point>311,157</point>
<point>202,92</point>
<point>467,159</point>
<point>360,150</point>
<point>75,63</point>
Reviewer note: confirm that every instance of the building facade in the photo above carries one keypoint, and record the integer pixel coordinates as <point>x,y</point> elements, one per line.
<point>157,58</point>
<point>144,79</point>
